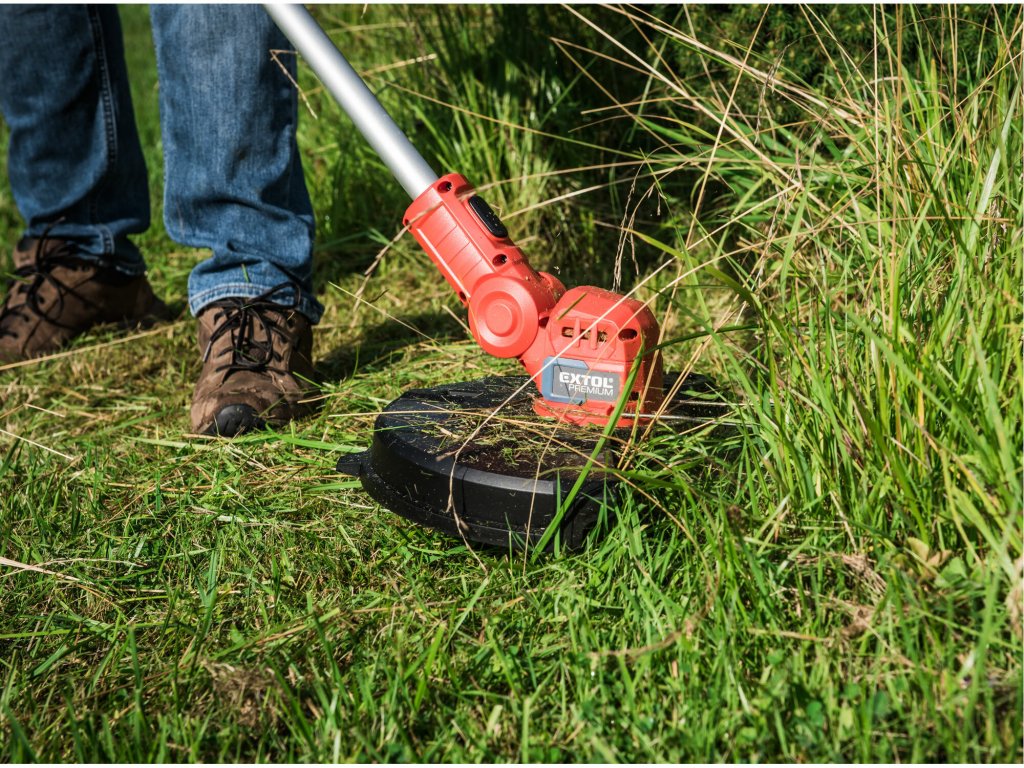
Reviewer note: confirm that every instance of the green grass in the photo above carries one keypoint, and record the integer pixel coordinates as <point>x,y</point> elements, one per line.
<point>836,577</point>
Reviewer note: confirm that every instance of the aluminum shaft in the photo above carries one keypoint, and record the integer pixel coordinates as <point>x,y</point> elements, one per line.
<point>399,155</point>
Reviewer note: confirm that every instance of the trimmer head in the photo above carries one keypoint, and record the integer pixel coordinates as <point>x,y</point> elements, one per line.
<point>443,458</point>
<point>439,457</point>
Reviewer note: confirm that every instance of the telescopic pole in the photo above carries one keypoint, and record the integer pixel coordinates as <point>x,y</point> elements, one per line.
<point>358,102</point>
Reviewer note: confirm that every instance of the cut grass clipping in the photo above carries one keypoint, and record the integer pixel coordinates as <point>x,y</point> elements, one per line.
<point>832,571</point>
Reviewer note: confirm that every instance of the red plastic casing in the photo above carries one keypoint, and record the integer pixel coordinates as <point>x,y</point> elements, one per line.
<point>572,343</point>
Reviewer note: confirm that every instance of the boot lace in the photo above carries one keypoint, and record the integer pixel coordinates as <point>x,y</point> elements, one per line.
<point>30,278</point>
<point>253,325</point>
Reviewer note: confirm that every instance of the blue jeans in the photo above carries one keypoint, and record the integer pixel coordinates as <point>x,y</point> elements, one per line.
<point>234,182</point>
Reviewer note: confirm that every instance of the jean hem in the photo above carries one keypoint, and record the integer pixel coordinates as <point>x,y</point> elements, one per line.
<point>307,305</point>
<point>122,256</point>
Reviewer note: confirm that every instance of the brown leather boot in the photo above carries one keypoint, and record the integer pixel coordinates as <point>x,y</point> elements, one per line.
<point>57,295</point>
<point>257,366</point>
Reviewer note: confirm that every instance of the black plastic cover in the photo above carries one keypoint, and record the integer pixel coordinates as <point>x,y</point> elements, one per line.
<point>440,459</point>
<point>474,461</point>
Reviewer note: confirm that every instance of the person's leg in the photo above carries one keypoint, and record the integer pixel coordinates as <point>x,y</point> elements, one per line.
<point>75,165</point>
<point>234,180</point>
<point>78,176</point>
<point>235,187</point>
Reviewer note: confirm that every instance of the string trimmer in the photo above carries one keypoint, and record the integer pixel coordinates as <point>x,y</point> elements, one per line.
<point>514,460</point>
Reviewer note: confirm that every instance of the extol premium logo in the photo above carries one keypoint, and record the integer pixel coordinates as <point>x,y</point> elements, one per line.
<point>587,383</point>
<point>572,381</point>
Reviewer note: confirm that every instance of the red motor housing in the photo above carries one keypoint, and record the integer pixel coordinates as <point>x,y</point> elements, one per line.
<point>578,346</point>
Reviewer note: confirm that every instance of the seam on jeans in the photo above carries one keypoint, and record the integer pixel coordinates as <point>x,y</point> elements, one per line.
<point>293,157</point>
<point>291,68</point>
<point>110,131</point>
<point>295,167</point>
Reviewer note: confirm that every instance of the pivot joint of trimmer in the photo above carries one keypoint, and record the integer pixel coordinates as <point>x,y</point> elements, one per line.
<point>579,346</point>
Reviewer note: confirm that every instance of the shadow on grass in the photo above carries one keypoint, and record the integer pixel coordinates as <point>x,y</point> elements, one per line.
<point>377,344</point>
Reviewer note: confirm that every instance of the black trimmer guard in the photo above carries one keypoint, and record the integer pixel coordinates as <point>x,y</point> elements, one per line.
<point>444,458</point>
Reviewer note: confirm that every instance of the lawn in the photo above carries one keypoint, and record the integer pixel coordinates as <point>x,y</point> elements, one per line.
<point>825,209</point>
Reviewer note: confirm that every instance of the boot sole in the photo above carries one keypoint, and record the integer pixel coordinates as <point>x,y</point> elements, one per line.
<point>234,420</point>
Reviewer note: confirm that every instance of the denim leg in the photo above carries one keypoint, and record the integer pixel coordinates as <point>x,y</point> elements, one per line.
<point>75,164</point>
<point>234,176</point>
